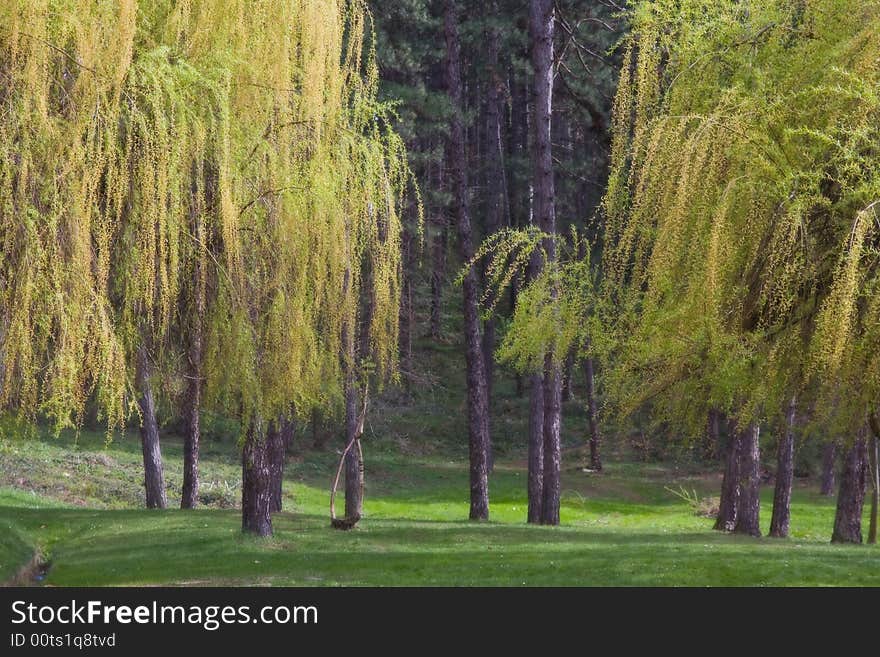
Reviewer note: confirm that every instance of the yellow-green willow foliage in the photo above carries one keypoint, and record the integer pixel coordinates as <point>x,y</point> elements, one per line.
<point>740,257</point>
<point>556,311</point>
<point>143,142</point>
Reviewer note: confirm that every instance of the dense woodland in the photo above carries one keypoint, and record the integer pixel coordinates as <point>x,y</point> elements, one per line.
<point>666,210</point>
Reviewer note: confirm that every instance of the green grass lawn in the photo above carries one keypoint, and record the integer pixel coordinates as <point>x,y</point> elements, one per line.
<point>76,502</point>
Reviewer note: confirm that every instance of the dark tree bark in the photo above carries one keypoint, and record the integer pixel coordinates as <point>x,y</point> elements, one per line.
<point>154,475</point>
<point>536,449</point>
<point>541,27</point>
<point>593,417</point>
<point>195,322</point>
<point>713,434</point>
<point>276,452</point>
<point>478,412</point>
<point>748,510</point>
<point>851,497</point>
<point>829,459</point>
<point>189,498</point>
<point>779,523</point>
<point>256,482</point>
<point>354,467</point>
<point>495,202</point>
<point>568,377</point>
<point>730,491</point>
<point>552,447</point>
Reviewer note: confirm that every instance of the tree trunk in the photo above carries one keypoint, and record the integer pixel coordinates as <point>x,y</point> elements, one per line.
<point>541,27</point>
<point>154,476</point>
<point>829,459</point>
<point>874,455</point>
<point>851,497</point>
<point>748,511</point>
<point>256,482</point>
<point>779,523</point>
<point>593,417</point>
<point>730,491</point>
<point>478,411</point>
<point>189,498</point>
<point>713,434</point>
<point>276,451</point>
<point>536,449</point>
<point>495,202</point>
<point>568,377</point>
<point>354,470</point>
<point>552,445</point>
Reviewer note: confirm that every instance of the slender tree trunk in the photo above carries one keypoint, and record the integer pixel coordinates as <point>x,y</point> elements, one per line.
<point>256,482</point>
<point>829,459</point>
<point>478,411</point>
<point>713,434</point>
<point>536,449</point>
<point>276,452</point>
<point>552,446</point>
<point>851,498</point>
<point>568,377</point>
<point>874,455</point>
<point>154,475</point>
<point>748,512</point>
<point>542,23</point>
<point>495,202</point>
<point>190,494</point>
<point>779,523</point>
<point>593,417</point>
<point>189,498</point>
<point>353,466</point>
<point>353,469</point>
<point>730,490</point>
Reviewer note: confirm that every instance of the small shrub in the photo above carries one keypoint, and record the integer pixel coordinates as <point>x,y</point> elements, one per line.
<point>703,507</point>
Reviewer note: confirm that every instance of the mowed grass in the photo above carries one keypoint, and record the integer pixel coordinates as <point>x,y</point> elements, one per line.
<point>76,503</point>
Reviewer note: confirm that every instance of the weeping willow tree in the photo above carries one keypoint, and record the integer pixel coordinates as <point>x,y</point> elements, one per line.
<point>740,254</point>
<point>180,167</point>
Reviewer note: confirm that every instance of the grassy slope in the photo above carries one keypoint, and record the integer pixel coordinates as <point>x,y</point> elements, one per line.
<point>78,502</point>
<point>619,528</point>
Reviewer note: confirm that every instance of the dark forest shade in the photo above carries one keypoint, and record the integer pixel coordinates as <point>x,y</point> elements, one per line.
<point>154,475</point>
<point>593,417</point>
<point>829,462</point>
<point>478,409</point>
<point>874,459</point>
